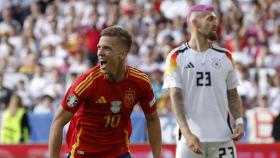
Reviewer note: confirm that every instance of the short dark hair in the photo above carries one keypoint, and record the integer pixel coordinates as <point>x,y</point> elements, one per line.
<point>120,32</point>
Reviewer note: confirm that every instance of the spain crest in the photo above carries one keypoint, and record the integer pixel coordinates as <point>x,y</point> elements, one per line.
<point>129,97</point>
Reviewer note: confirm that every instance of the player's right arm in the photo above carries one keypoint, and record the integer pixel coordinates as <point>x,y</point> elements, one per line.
<point>177,107</point>
<point>173,82</point>
<point>61,118</point>
<point>71,102</point>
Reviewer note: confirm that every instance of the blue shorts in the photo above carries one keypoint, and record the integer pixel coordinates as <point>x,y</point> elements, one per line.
<point>126,155</point>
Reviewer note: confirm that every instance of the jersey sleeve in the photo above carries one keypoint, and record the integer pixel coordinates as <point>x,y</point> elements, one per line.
<point>73,98</point>
<point>172,76</point>
<point>232,80</point>
<point>148,101</point>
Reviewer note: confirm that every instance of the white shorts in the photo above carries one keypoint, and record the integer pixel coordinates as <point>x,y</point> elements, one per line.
<point>210,150</point>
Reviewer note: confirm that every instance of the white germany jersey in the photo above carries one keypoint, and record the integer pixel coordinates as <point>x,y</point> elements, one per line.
<point>204,78</point>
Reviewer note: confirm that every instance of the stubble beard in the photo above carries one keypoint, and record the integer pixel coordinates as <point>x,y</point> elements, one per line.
<point>110,77</point>
<point>212,36</point>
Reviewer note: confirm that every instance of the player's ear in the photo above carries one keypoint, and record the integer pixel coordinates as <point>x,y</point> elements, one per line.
<point>123,54</point>
<point>194,22</point>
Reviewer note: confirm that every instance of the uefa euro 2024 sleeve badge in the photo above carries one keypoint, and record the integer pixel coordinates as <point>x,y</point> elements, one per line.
<point>116,106</point>
<point>72,101</point>
<point>216,63</point>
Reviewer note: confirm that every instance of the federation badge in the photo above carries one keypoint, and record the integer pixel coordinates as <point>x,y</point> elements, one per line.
<point>216,63</point>
<point>129,97</point>
<point>116,106</point>
<point>72,101</point>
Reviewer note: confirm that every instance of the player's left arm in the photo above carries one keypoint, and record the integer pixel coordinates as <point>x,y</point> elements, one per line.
<point>235,106</point>
<point>234,101</point>
<point>154,133</point>
<point>149,107</point>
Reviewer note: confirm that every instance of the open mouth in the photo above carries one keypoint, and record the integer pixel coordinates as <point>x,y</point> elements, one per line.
<point>103,64</point>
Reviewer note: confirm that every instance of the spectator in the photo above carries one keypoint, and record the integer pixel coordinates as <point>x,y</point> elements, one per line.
<point>246,88</point>
<point>157,82</point>
<point>15,126</point>
<point>5,93</point>
<point>35,14</point>
<point>172,9</point>
<point>133,56</point>
<point>91,38</point>
<point>42,26</point>
<point>149,63</point>
<point>274,41</point>
<point>38,83</point>
<point>55,88</point>
<point>45,105</point>
<point>21,91</point>
<point>274,93</point>
<point>78,64</point>
<point>29,65</point>
<point>6,47</point>
<point>27,45</point>
<point>71,79</point>
<point>9,20</point>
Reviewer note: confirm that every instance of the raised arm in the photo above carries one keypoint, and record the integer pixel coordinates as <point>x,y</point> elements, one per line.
<point>61,118</point>
<point>154,133</point>
<point>235,106</point>
<point>177,107</point>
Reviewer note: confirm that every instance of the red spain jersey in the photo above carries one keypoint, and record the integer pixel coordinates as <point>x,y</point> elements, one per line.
<point>102,125</point>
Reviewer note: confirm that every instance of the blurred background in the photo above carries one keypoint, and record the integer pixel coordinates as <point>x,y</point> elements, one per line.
<point>45,45</point>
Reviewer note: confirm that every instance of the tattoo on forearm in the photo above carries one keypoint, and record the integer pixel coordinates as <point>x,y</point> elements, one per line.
<point>235,104</point>
<point>178,107</point>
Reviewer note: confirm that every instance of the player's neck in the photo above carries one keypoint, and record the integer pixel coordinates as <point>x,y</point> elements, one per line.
<point>119,76</point>
<point>198,43</point>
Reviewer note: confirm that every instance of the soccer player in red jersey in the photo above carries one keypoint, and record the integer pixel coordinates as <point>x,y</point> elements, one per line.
<point>102,100</point>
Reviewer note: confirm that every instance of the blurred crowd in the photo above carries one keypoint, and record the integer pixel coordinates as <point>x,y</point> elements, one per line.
<point>46,44</point>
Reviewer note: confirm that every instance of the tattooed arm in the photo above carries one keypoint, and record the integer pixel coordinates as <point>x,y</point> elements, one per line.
<point>235,106</point>
<point>177,107</point>
<point>235,103</point>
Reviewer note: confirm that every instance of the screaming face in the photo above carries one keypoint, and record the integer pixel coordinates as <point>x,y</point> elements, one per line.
<point>110,55</point>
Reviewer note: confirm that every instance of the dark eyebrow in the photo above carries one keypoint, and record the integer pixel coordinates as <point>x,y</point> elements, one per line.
<point>104,46</point>
<point>211,16</point>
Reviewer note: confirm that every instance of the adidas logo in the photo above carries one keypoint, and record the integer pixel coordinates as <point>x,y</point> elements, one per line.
<point>190,65</point>
<point>101,100</point>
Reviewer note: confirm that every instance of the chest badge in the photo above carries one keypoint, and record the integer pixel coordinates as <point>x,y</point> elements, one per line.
<point>216,63</point>
<point>116,106</point>
<point>129,97</point>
